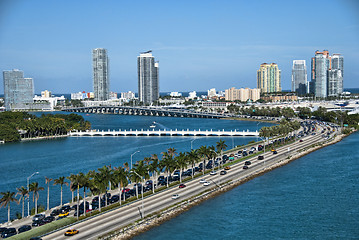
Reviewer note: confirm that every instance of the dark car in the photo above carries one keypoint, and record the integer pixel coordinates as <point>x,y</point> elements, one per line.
<point>48,219</point>
<point>274,152</point>
<point>24,228</point>
<point>2,229</point>
<point>38,223</point>
<point>8,233</point>
<point>247,163</point>
<point>114,198</point>
<point>36,238</point>
<point>260,157</point>
<point>55,212</point>
<point>65,208</point>
<point>223,172</point>
<point>182,185</point>
<point>38,217</point>
<point>245,167</point>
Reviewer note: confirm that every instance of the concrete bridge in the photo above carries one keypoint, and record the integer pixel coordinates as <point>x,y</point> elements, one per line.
<point>147,111</point>
<point>170,132</point>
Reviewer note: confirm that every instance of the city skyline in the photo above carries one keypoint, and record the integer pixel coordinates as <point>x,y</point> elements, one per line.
<point>216,46</point>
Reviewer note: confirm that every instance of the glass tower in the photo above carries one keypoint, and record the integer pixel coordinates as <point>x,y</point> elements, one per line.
<point>101,82</point>
<point>148,86</point>
<point>299,77</point>
<point>17,89</point>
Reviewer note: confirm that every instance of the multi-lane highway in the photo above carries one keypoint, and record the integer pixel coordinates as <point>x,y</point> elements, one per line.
<point>107,222</point>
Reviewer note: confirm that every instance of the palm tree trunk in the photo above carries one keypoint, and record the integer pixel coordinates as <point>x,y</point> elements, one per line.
<point>72,196</point>
<point>8,213</point>
<point>48,196</point>
<point>181,175</point>
<point>167,177</point>
<point>78,201</point>
<point>120,192</point>
<point>84,201</point>
<point>35,205</point>
<point>137,190</point>
<point>23,206</point>
<point>61,196</point>
<point>99,202</point>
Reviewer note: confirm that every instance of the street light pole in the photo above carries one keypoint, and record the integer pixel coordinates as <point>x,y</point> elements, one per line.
<point>132,156</point>
<point>28,199</point>
<point>143,209</point>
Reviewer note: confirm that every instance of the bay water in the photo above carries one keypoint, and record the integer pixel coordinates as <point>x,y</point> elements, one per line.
<point>314,197</point>
<point>71,155</point>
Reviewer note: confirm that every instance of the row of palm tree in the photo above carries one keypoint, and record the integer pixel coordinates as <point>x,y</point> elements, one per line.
<point>108,178</point>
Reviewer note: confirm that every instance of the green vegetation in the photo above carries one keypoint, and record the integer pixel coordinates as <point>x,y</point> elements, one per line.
<point>44,229</point>
<point>15,126</point>
<point>256,111</point>
<point>284,128</point>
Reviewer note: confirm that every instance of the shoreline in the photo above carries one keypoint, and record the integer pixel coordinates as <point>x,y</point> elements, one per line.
<point>43,138</point>
<point>160,217</point>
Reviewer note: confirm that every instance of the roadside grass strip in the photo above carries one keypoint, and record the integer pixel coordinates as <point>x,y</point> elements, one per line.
<point>49,227</point>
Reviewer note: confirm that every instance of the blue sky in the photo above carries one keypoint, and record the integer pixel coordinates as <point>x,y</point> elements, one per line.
<point>199,44</point>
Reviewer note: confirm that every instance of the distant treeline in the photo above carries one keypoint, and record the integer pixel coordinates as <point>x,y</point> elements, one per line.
<point>17,125</point>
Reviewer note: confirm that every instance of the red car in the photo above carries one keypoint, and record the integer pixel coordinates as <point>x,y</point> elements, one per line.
<point>182,185</point>
<point>125,190</point>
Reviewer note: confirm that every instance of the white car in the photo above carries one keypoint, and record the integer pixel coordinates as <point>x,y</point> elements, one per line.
<point>206,183</point>
<point>202,181</point>
<point>213,173</point>
<point>175,196</point>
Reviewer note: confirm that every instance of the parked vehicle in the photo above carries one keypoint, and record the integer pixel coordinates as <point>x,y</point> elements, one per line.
<point>8,233</point>
<point>24,228</point>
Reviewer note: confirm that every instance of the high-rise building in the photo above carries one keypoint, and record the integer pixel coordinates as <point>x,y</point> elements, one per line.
<point>327,74</point>
<point>268,78</point>
<point>320,65</point>
<point>299,77</point>
<point>101,81</point>
<point>148,85</point>
<point>17,89</point>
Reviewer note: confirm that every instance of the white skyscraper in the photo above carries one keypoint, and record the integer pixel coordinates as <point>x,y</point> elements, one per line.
<point>148,85</point>
<point>101,82</point>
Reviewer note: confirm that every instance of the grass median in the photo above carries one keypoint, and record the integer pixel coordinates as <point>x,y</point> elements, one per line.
<point>38,231</point>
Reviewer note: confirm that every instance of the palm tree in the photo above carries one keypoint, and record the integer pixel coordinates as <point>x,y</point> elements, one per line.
<point>60,181</point>
<point>99,186</point>
<point>24,194</point>
<point>193,158</point>
<point>221,145</point>
<point>154,168</point>
<point>7,198</point>
<point>106,173</point>
<point>167,163</point>
<point>47,181</point>
<point>203,152</point>
<point>35,189</point>
<point>85,183</point>
<point>120,176</point>
<point>171,152</point>
<point>76,183</point>
<point>72,187</point>
<point>181,162</point>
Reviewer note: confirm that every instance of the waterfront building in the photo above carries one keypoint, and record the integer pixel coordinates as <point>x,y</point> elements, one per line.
<point>268,78</point>
<point>128,95</point>
<point>46,94</point>
<point>242,94</point>
<point>192,95</point>
<point>18,91</point>
<point>211,93</point>
<point>176,94</point>
<point>113,95</point>
<point>47,102</point>
<point>216,105</point>
<point>299,77</point>
<point>327,74</point>
<point>280,97</point>
<point>148,74</point>
<point>101,82</point>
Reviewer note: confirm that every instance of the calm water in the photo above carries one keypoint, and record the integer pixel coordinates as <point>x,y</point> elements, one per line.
<point>315,197</point>
<point>61,157</point>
